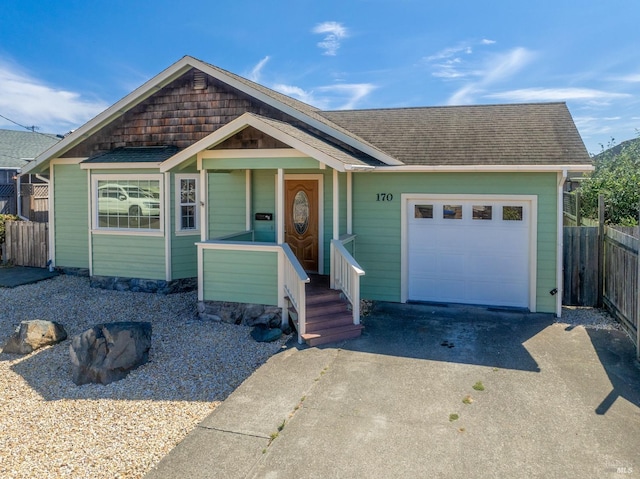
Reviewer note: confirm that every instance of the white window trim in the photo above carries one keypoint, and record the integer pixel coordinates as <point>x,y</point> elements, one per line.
<point>178,212</point>
<point>95,229</point>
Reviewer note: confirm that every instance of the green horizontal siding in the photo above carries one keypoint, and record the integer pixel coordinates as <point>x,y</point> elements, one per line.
<point>226,203</point>
<point>263,200</point>
<point>377,224</point>
<point>241,276</point>
<point>128,256</point>
<point>258,163</point>
<point>71,216</point>
<point>184,256</point>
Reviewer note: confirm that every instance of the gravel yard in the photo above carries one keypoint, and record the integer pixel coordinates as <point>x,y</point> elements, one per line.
<point>51,428</point>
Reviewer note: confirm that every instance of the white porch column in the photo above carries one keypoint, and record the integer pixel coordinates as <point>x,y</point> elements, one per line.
<point>349,203</point>
<point>280,206</point>
<point>336,206</point>
<point>248,199</point>
<point>204,207</point>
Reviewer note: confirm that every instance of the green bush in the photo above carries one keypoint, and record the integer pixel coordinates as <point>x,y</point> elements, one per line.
<point>4,218</point>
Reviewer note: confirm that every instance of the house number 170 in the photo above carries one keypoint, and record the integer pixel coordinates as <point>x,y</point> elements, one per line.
<point>384,197</point>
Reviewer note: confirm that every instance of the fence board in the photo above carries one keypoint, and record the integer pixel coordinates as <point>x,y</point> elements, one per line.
<point>27,243</point>
<point>621,277</point>
<point>580,268</point>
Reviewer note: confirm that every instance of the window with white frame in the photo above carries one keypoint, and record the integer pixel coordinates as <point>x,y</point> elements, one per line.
<point>187,217</point>
<point>131,203</point>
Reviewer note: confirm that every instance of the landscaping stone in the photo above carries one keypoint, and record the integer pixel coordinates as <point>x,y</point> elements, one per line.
<point>240,313</point>
<point>264,334</point>
<point>144,285</point>
<point>107,352</point>
<point>34,334</point>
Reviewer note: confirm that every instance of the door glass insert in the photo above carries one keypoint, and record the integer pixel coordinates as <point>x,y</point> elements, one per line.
<point>301,212</point>
<point>481,212</point>
<point>423,211</point>
<point>512,213</point>
<point>452,212</point>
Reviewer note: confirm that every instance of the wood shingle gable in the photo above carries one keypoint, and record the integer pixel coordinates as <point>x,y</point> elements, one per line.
<point>479,135</point>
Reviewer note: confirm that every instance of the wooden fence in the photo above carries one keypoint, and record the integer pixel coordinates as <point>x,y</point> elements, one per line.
<point>7,199</point>
<point>621,286</point>
<point>580,269</point>
<point>35,201</point>
<point>26,243</point>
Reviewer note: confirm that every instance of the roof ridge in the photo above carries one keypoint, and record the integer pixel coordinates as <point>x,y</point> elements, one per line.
<point>434,107</point>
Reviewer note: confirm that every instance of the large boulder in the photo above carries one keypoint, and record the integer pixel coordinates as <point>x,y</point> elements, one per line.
<point>107,352</point>
<point>34,334</point>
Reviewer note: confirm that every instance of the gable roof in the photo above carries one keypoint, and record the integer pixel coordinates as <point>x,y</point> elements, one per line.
<point>17,148</point>
<point>511,134</point>
<point>301,140</point>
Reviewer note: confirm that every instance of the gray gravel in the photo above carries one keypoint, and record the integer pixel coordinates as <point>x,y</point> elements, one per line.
<point>51,428</point>
<point>590,318</point>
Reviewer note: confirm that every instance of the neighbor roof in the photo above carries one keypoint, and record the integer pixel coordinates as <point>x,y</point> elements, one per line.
<point>513,134</point>
<point>17,147</point>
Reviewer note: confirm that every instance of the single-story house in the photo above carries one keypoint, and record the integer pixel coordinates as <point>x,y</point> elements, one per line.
<point>17,149</point>
<point>202,177</point>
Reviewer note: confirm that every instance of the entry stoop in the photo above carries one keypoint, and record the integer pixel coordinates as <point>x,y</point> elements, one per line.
<point>328,317</point>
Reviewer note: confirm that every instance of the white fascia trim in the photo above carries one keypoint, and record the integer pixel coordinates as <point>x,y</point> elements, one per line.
<point>240,123</point>
<point>483,168</point>
<point>116,110</point>
<point>251,153</point>
<point>294,112</point>
<point>67,161</point>
<point>120,166</point>
<point>562,178</point>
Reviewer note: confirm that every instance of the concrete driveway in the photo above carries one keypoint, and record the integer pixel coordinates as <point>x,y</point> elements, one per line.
<point>532,399</point>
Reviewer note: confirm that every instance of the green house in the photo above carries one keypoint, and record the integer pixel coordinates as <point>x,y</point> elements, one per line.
<point>202,178</point>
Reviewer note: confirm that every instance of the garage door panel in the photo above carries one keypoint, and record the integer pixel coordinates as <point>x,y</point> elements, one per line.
<point>474,261</point>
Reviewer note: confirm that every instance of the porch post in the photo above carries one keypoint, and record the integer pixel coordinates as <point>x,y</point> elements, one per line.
<point>247,200</point>
<point>280,206</point>
<point>336,228</point>
<point>349,203</point>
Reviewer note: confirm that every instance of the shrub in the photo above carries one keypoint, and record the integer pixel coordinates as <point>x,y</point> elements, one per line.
<point>4,218</point>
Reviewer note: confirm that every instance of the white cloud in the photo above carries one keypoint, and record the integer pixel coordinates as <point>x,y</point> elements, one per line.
<point>455,62</point>
<point>331,97</point>
<point>556,94</point>
<point>632,78</point>
<point>486,41</point>
<point>334,32</point>
<point>495,70</point>
<point>29,101</point>
<point>256,71</point>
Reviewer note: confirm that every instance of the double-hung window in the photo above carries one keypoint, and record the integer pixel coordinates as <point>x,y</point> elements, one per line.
<point>186,199</point>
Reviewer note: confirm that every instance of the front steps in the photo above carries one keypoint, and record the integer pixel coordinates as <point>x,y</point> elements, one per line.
<point>328,316</point>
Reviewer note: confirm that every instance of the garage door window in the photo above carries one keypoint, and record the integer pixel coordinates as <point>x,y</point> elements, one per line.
<point>423,211</point>
<point>482,212</point>
<point>452,212</point>
<point>512,213</point>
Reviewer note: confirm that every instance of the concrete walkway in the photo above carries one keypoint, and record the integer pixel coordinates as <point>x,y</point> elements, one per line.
<point>532,399</point>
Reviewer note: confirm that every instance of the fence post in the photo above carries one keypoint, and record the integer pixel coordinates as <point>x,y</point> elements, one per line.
<point>578,213</point>
<point>600,249</point>
<point>638,300</point>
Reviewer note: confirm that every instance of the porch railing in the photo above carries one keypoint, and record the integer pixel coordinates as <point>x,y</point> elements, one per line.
<point>345,275</point>
<point>295,279</point>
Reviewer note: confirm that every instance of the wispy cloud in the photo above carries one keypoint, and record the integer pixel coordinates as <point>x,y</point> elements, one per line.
<point>632,78</point>
<point>556,94</point>
<point>494,70</point>
<point>334,33</point>
<point>453,62</point>
<point>331,97</point>
<point>31,101</point>
<point>256,71</point>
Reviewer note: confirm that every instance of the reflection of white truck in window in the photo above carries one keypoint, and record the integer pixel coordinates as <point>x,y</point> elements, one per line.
<point>127,200</point>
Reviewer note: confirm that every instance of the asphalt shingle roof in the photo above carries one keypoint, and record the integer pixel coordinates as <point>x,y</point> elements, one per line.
<point>143,154</point>
<point>512,134</point>
<point>17,146</point>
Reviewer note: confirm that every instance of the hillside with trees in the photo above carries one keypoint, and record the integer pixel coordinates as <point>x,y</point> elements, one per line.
<point>617,177</point>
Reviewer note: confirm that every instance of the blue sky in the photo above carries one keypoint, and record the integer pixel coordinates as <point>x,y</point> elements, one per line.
<point>63,62</point>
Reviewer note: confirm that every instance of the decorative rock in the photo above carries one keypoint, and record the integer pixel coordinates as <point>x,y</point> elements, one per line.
<point>107,352</point>
<point>264,334</point>
<point>35,334</point>
<point>240,313</point>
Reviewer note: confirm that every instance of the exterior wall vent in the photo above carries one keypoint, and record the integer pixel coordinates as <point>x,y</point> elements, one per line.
<point>199,81</point>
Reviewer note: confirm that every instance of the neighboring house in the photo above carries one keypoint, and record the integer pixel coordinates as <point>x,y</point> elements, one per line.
<point>17,149</point>
<point>246,189</point>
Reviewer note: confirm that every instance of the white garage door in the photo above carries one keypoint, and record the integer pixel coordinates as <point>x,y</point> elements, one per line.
<point>469,251</point>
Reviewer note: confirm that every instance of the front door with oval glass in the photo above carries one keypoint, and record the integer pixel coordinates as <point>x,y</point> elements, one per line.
<point>301,221</point>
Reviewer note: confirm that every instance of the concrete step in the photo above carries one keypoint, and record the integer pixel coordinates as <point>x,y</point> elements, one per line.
<point>332,335</point>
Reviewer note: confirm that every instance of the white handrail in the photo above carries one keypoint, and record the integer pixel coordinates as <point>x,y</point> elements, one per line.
<point>345,273</point>
<point>295,279</point>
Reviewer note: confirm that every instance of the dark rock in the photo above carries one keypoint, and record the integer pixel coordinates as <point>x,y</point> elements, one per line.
<point>263,334</point>
<point>107,352</point>
<point>35,334</point>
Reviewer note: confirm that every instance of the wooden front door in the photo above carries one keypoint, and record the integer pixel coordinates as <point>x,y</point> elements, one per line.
<point>301,221</point>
